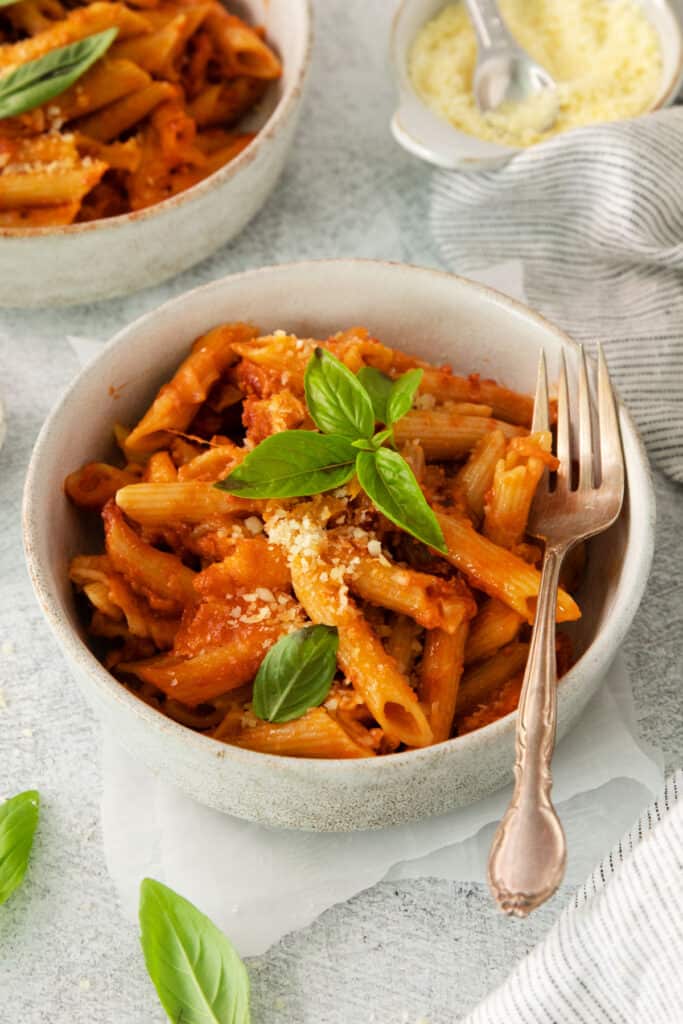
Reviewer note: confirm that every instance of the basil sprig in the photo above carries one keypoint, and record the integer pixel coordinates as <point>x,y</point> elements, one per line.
<point>18,821</point>
<point>345,408</point>
<point>34,83</point>
<point>296,674</point>
<point>198,976</point>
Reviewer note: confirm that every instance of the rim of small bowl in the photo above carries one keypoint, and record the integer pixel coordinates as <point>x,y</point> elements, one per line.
<point>495,151</point>
<point>596,659</point>
<point>283,109</point>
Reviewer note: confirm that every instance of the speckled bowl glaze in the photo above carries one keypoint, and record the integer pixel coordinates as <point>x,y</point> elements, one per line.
<point>432,138</point>
<point>439,317</point>
<point>98,260</point>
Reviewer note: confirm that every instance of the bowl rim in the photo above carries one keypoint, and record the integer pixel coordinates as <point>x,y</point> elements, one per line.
<point>281,113</point>
<point>495,152</point>
<point>599,655</point>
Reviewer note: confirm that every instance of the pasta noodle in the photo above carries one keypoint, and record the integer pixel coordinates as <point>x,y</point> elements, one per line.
<point>155,115</point>
<point>197,585</point>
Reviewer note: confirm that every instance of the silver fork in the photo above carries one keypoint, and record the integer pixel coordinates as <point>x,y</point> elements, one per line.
<point>528,854</point>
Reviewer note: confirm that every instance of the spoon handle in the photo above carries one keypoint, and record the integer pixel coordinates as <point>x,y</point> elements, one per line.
<point>491,31</point>
<point>528,854</point>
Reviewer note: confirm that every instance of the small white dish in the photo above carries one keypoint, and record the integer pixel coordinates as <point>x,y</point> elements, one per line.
<point>423,133</point>
<point>435,315</point>
<point>119,255</point>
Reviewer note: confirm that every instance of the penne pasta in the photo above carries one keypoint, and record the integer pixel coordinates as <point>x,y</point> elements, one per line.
<point>448,435</point>
<point>507,405</point>
<point>178,401</point>
<point>48,188</point>
<point>498,572</point>
<point>432,602</point>
<point>94,484</point>
<point>332,624</point>
<point>157,572</point>
<point>317,734</point>
<point>153,504</point>
<point>403,642</point>
<point>482,681</point>
<point>514,484</point>
<point>476,476</point>
<point>494,626</point>
<point>440,673</point>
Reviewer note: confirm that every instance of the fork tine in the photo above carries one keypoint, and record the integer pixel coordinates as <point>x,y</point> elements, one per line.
<point>585,428</point>
<point>540,417</point>
<point>611,451</point>
<point>564,453</point>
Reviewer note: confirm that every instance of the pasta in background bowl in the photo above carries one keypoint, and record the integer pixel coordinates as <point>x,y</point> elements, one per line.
<point>439,318</point>
<point>179,158</point>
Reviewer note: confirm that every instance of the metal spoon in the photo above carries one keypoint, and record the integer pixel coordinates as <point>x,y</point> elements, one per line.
<point>505,73</point>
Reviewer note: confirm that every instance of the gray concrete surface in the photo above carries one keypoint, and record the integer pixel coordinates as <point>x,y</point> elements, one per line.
<point>399,952</point>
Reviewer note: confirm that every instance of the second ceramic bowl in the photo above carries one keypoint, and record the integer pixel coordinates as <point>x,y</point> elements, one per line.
<point>437,316</point>
<point>118,255</point>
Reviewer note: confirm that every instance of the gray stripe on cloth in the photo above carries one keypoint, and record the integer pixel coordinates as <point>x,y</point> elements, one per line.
<point>596,218</point>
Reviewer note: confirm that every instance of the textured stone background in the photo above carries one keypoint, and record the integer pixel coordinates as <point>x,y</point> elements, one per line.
<point>400,951</point>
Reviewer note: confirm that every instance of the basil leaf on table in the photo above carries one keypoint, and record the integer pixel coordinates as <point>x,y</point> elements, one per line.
<point>402,394</point>
<point>378,386</point>
<point>198,976</point>
<point>18,820</point>
<point>388,481</point>
<point>34,83</point>
<point>296,674</point>
<point>292,464</point>
<point>336,400</point>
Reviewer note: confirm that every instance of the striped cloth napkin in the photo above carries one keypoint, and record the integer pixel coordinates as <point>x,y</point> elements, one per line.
<point>596,218</point>
<point>615,954</point>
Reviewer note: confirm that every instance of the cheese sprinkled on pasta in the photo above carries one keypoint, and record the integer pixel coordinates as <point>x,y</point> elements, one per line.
<point>604,55</point>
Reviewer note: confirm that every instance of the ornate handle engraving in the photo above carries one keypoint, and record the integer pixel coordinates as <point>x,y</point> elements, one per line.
<point>528,854</point>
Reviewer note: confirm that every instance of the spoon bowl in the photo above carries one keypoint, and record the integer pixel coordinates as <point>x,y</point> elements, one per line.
<point>506,78</point>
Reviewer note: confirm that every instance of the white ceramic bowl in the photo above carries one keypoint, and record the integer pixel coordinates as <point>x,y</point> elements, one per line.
<point>432,138</point>
<point>118,255</point>
<point>438,316</point>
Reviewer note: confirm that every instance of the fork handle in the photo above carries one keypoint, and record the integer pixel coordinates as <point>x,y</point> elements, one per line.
<point>528,854</point>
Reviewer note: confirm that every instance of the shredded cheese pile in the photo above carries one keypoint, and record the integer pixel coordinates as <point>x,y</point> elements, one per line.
<point>604,55</point>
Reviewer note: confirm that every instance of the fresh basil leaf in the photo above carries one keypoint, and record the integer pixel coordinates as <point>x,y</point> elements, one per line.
<point>384,435</point>
<point>18,820</point>
<point>379,387</point>
<point>364,444</point>
<point>292,464</point>
<point>388,481</point>
<point>402,395</point>
<point>197,974</point>
<point>34,83</point>
<point>296,674</point>
<point>336,400</point>
<point>391,399</point>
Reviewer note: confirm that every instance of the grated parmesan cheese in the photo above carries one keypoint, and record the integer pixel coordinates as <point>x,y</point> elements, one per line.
<point>426,402</point>
<point>604,55</point>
